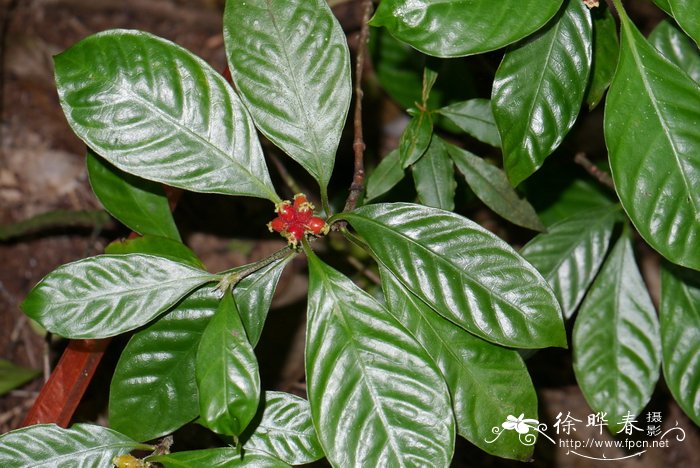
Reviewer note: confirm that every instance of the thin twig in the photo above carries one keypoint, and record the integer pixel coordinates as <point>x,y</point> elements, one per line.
<point>360,267</point>
<point>358,145</point>
<point>601,176</point>
<point>284,174</point>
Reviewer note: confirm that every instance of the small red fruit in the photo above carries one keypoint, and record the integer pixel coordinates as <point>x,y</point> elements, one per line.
<point>277,224</point>
<point>295,233</point>
<point>317,226</point>
<point>286,212</point>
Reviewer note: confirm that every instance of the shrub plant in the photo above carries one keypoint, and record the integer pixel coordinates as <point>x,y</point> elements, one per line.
<point>394,374</point>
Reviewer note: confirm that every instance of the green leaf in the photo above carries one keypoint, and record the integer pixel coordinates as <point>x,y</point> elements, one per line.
<point>153,389</point>
<point>491,185</point>
<point>107,295</point>
<point>453,28</point>
<point>154,110</point>
<point>286,430</point>
<point>154,245</point>
<point>616,339</point>
<point>606,49</point>
<point>464,272</point>
<point>433,175</point>
<point>539,87</point>
<point>227,373</point>
<point>654,145</point>
<point>254,295</point>
<point>415,139</point>
<point>486,382</point>
<point>677,47</point>
<point>685,12</point>
<point>570,253</point>
<point>376,397</point>
<point>475,118</point>
<point>218,458</point>
<point>680,336</point>
<point>12,376</point>
<point>49,446</point>
<point>385,176</point>
<point>139,204</point>
<point>663,4</point>
<point>579,196</point>
<point>291,64</point>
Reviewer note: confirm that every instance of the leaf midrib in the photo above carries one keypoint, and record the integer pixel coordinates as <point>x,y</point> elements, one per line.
<point>443,260</point>
<point>629,35</point>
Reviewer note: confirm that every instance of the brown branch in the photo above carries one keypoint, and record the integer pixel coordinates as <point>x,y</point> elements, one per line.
<point>358,145</point>
<point>601,176</point>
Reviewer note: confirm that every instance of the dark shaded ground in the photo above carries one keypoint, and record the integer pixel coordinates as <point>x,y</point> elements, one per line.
<point>42,169</point>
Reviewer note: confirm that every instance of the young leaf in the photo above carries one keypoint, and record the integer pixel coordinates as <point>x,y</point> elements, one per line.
<point>153,245</point>
<point>139,204</point>
<point>153,390</point>
<point>433,175</point>
<point>474,117</point>
<point>654,146</point>
<point>486,382</point>
<point>685,12</point>
<point>12,376</point>
<point>385,176</point>
<point>606,48</point>
<point>616,339</point>
<point>376,397</point>
<point>453,28</point>
<point>415,139</point>
<point>464,272</point>
<point>570,253</point>
<point>579,196</point>
<point>291,64</point>
<point>51,445</point>
<point>677,47</point>
<point>539,87</point>
<point>154,110</point>
<point>218,458</point>
<point>680,336</point>
<point>491,185</point>
<point>286,430</point>
<point>254,295</point>
<point>107,295</point>
<point>227,373</point>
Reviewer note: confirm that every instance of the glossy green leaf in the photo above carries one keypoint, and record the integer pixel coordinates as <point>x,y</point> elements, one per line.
<point>570,253</point>
<point>680,336</point>
<point>539,88</point>
<point>464,272</point>
<point>677,47</point>
<point>153,389</point>
<point>486,382</point>
<point>107,295</point>
<point>475,118</point>
<point>385,176</point>
<point>218,458</point>
<point>254,295</point>
<point>433,175</point>
<point>286,430</point>
<point>139,204</point>
<point>291,64</point>
<point>452,28</point>
<point>579,196</point>
<point>663,4</point>
<point>227,373</point>
<point>491,185</point>
<point>154,245</point>
<point>12,376</point>
<point>616,339</point>
<point>653,141</point>
<point>686,15</point>
<point>606,48</point>
<point>376,397</point>
<point>415,139</point>
<point>50,446</point>
<point>154,110</point>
